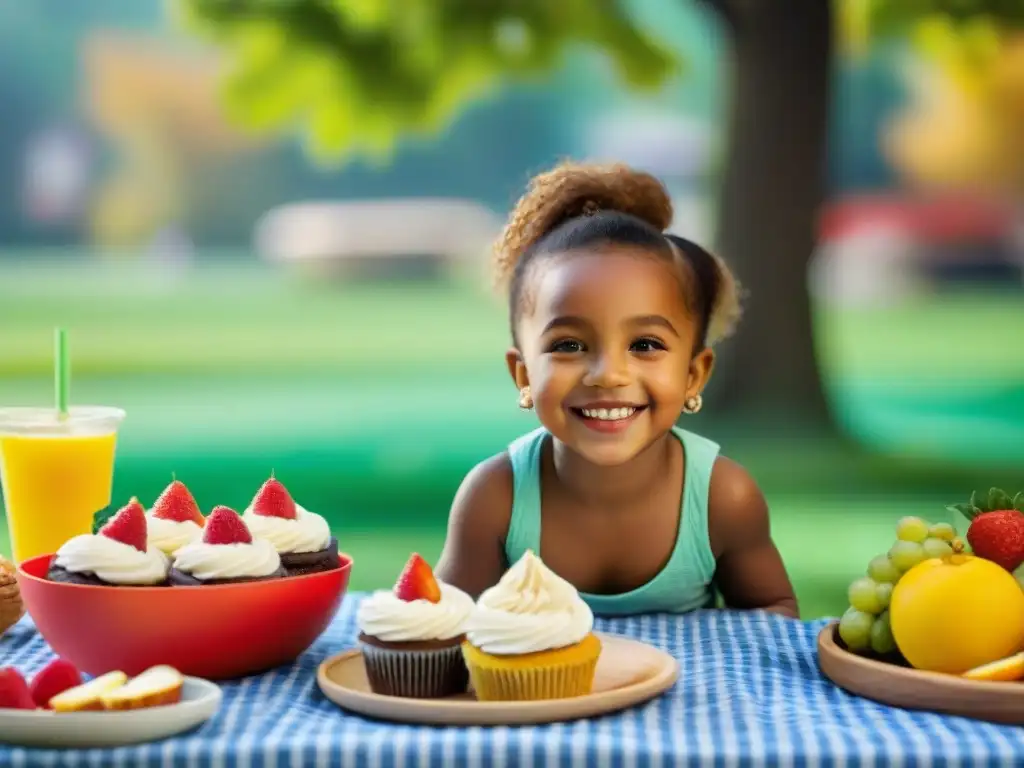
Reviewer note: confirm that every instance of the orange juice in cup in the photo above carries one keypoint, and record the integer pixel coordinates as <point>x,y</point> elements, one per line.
<point>56,471</point>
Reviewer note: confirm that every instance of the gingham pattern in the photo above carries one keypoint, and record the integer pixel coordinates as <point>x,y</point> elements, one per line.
<point>750,694</point>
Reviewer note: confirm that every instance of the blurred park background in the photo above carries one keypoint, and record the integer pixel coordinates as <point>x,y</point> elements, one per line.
<point>266,223</point>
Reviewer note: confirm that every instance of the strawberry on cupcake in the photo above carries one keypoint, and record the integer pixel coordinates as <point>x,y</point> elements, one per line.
<point>227,553</point>
<point>175,519</point>
<point>302,538</point>
<point>118,554</point>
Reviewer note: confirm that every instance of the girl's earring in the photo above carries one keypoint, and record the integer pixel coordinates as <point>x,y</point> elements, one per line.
<point>525,399</point>
<point>693,404</point>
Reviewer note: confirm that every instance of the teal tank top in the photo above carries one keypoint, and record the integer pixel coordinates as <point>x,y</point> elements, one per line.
<point>683,585</point>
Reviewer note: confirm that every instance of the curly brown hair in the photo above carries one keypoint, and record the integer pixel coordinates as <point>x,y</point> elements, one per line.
<point>576,205</point>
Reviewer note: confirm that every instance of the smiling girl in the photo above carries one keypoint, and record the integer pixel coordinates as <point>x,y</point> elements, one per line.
<point>613,323</point>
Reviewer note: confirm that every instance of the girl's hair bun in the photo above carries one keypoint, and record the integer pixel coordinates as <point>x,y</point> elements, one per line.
<point>579,189</point>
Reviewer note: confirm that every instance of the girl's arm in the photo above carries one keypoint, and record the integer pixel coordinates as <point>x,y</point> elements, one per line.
<point>749,573</point>
<point>473,557</point>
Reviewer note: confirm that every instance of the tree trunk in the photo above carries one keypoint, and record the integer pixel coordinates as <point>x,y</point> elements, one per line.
<point>774,184</point>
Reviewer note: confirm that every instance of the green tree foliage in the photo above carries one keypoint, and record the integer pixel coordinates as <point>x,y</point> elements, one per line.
<point>359,74</point>
<point>895,15</point>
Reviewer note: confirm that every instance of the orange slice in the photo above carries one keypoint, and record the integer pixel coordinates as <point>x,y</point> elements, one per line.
<point>1003,671</point>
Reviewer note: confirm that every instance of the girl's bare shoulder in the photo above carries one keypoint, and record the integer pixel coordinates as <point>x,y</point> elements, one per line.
<point>473,554</point>
<point>484,498</point>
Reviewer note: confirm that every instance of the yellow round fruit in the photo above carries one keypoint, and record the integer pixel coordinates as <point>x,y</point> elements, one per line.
<point>955,613</point>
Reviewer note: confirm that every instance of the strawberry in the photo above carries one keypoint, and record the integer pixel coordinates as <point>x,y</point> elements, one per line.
<point>128,526</point>
<point>996,530</point>
<point>273,500</point>
<point>14,692</point>
<point>177,503</point>
<point>56,677</point>
<point>998,536</point>
<point>224,526</point>
<point>417,582</point>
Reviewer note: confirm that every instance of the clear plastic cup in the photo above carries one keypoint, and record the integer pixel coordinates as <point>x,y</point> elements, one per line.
<point>56,473</point>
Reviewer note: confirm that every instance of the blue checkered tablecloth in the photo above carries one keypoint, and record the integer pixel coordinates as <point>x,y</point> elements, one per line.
<point>749,694</point>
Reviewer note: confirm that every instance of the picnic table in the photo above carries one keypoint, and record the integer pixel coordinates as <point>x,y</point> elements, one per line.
<point>749,694</point>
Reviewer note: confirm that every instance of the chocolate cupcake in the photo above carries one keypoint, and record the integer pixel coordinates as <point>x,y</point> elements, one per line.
<point>117,555</point>
<point>226,554</point>
<point>411,636</point>
<point>302,538</point>
<point>178,578</point>
<point>56,573</point>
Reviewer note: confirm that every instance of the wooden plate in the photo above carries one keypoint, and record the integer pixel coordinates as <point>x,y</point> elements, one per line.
<point>913,689</point>
<point>628,672</point>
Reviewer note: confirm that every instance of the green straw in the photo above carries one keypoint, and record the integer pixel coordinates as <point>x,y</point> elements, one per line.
<point>61,371</point>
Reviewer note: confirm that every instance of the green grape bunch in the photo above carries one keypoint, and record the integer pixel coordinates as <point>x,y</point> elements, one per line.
<point>864,627</point>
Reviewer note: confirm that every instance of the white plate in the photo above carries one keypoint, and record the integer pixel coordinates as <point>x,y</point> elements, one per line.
<point>42,728</point>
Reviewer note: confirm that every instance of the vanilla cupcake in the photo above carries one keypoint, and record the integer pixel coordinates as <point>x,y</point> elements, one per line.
<point>226,554</point>
<point>411,636</point>
<point>531,637</point>
<point>118,554</point>
<point>175,519</point>
<point>302,538</point>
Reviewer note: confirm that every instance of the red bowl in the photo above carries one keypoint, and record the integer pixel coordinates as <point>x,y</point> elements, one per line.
<point>218,631</point>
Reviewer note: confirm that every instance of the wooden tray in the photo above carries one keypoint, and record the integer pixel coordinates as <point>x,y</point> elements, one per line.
<point>628,672</point>
<point>913,689</point>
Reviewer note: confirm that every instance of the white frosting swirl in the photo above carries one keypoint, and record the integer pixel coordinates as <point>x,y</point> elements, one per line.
<point>227,561</point>
<point>530,609</point>
<point>308,532</point>
<point>170,535</point>
<point>111,561</point>
<point>385,616</point>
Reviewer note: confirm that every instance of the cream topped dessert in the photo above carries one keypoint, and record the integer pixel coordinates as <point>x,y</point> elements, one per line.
<point>302,538</point>
<point>227,552</point>
<point>411,636</point>
<point>415,610</point>
<point>175,519</point>
<point>118,554</point>
<point>530,609</point>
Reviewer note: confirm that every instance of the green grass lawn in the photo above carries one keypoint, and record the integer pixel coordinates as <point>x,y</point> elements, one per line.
<point>241,317</point>
<point>239,320</point>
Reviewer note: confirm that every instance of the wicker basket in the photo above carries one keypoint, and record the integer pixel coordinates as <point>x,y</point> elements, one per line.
<point>11,606</point>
